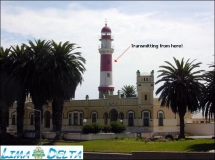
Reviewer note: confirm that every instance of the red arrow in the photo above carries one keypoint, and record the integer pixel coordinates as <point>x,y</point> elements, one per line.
<point>121,54</point>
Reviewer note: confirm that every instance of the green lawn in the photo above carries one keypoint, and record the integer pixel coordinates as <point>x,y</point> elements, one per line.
<point>129,145</point>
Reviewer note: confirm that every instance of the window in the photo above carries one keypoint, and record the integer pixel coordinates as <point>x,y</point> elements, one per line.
<point>70,118</point>
<point>75,120</point>
<point>13,119</point>
<point>81,119</point>
<point>108,74</point>
<point>121,115</point>
<point>146,116</point>
<point>145,97</point>
<point>47,119</point>
<point>93,117</point>
<point>105,118</point>
<point>130,119</point>
<point>160,119</point>
<point>32,119</point>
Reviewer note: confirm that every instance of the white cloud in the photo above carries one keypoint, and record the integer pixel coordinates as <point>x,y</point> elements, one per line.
<point>82,25</point>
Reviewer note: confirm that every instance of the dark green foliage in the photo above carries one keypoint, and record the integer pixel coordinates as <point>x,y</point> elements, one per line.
<point>208,106</point>
<point>45,70</point>
<point>106,128</point>
<point>169,136</point>
<point>181,89</point>
<point>117,127</point>
<point>129,91</point>
<point>8,139</point>
<point>92,128</point>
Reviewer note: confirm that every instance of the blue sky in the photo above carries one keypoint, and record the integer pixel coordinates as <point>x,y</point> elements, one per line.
<point>190,23</point>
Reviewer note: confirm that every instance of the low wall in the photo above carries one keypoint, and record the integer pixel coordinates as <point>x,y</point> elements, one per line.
<point>79,136</point>
<point>172,155</point>
<point>200,129</point>
<point>113,156</point>
<point>150,155</point>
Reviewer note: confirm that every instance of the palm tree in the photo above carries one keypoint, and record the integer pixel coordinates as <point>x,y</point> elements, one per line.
<point>209,100</point>
<point>181,90</point>
<point>129,91</point>
<point>37,87</point>
<point>63,70</point>
<point>20,67</point>
<point>7,82</point>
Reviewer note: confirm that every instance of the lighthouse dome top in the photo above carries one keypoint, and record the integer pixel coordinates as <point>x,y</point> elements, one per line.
<point>106,28</point>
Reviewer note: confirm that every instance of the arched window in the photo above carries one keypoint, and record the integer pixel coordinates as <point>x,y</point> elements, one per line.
<point>94,116</point>
<point>121,115</point>
<point>75,118</point>
<point>146,118</point>
<point>13,119</point>
<point>160,118</point>
<point>47,119</point>
<point>113,115</point>
<point>70,118</point>
<point>130,116</point>
<point>32,119</point>
<point>105,118</point>
<point>81,119</point>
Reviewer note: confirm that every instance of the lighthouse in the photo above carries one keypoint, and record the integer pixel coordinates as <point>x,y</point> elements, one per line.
<point>106,50</point>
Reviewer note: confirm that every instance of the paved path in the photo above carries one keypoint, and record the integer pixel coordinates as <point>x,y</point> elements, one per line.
<point>197,137</point>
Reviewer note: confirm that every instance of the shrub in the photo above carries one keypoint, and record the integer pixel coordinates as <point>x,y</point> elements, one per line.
<point>188,134</point>
<point>106,128</point>
<point>117,127</point>
<point>169,136</point>
<point>92,128</point>
<point>87,129</point>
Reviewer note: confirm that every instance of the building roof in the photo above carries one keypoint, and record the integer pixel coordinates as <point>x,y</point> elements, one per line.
<point>106,28</point>
<point>145,74</point>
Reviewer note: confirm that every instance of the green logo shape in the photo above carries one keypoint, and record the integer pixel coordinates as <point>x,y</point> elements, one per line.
<point>38,153</point>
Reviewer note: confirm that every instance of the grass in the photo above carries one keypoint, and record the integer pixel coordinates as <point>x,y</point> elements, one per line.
<point>126,145</point>
<point>129,145</point>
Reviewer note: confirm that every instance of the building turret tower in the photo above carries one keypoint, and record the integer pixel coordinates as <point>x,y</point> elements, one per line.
<point>145,88</point>
<point>106,50</point>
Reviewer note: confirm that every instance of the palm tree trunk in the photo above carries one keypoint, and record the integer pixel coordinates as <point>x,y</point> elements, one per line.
<point>20,117</point>
<point>4,116</point>
<point>58,111</point>
<point>38,124</point>
<point>181,117</point>
<point>54,106</point>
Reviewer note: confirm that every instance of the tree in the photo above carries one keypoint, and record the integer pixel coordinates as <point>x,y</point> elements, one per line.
<point>63,70</point>
<point>129,91</point>
<point>7,82</point>
<point>209,96</point>
<point>181,89</point>
<point>20,67</point>
<point>36,85</point>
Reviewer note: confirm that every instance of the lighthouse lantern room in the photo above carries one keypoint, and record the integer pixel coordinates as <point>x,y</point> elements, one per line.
<point>106,50</point>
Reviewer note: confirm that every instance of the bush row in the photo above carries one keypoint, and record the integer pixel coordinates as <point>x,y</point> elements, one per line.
<point>115,127</point>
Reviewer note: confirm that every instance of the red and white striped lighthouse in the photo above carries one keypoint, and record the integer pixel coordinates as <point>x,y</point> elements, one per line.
<point>106,51</point>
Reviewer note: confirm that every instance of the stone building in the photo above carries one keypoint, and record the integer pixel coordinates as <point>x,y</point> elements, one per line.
<point>141,114</point>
